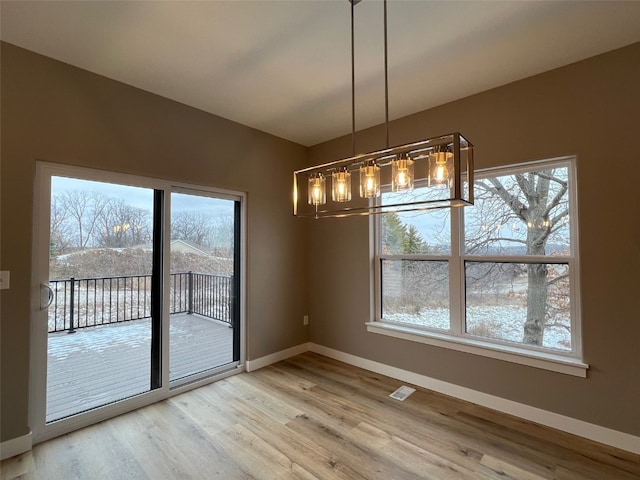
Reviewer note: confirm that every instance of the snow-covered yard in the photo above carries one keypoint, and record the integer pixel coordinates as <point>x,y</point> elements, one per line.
<point>505,322</point>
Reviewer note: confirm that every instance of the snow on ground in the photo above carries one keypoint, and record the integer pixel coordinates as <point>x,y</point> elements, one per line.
<point>501,322</point>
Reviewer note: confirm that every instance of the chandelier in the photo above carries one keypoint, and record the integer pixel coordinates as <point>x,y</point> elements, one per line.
<point>427,174</point>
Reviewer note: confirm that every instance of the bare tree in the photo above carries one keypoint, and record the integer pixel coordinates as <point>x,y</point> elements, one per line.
<point>192,226</point>
<point>60,232</point>
<point>83,210</point>
<point>222,235</point>
<point>528,211</point>
<point>123,225</point>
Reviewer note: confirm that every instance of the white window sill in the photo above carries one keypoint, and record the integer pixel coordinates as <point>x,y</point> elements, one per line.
<point>543,360</point>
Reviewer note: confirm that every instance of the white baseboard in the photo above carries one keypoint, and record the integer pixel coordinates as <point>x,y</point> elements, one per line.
<point>583,429</point>
<point>276,357</point>
<point>15,446</point>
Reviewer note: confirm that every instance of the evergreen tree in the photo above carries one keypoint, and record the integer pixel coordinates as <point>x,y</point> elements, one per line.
<point>398,238</point>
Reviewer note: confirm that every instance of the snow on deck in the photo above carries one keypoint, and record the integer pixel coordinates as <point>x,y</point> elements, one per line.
<point>99,365</point>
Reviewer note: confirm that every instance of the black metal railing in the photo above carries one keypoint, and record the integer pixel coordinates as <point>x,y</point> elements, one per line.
<point>89,302</point>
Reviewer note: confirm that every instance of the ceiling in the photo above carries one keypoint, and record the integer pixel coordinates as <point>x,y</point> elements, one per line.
<point>284,66</point>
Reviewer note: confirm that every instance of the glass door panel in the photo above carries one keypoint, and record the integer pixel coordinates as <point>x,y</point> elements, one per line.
<point>203,320</point>
<point>100,275</point>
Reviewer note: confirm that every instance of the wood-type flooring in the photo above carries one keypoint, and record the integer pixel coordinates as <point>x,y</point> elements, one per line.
<point>311,417</point>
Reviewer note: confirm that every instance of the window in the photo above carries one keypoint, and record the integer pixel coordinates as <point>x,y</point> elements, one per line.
<point>497,279</point>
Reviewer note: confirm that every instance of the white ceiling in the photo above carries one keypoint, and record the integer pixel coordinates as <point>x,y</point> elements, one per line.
<point>284,66</point>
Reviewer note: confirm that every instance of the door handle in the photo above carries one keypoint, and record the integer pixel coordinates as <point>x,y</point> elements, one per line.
<point>49,298</point>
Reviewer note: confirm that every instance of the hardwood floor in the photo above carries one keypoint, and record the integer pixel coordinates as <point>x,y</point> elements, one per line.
<point>312,417</point>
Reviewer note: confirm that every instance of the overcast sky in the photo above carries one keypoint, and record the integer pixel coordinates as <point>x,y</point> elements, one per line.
<point>143,197</point>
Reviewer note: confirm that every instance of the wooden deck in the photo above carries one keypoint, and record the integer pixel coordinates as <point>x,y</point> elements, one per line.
<point>99,365</point>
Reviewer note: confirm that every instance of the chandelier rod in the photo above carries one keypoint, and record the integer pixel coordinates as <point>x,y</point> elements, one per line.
<point>353,83</point>
<point>386,75</point>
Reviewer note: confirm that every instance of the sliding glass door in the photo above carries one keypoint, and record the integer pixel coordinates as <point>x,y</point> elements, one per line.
<point>138,293</point>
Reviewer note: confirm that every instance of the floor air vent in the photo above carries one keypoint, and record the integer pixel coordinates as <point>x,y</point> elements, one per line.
<point>402,393</point>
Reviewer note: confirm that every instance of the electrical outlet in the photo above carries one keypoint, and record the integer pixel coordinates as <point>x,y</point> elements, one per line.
<point>4,280</point>
<point>305,320</point>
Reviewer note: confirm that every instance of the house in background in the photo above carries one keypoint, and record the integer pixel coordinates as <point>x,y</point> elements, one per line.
<point>185,246</point>
<point>58,113</point>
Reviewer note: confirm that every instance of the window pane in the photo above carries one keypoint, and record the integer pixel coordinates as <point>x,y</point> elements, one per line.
<point>202,269</point>
<point>421,232</point>
<point>416,292</point>
<point>525,303</point>
<point>520,214</point>
<point>100,264</point>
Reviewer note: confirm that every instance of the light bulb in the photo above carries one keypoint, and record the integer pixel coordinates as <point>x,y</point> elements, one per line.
<point>370,184</point>
<point>442,173</point>
<point>439,171</point>
<point>341,185</point>
<point>317,190</point>
<point>370,180</point>
<point>401,173</point>
<point>317,194</point>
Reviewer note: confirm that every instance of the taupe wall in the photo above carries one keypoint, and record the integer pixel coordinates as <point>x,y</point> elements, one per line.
<point>55,112</point>
<point>589,109</point>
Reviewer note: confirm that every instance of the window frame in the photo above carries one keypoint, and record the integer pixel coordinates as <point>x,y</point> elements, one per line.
<point>456,338</point>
